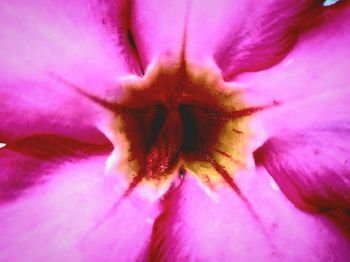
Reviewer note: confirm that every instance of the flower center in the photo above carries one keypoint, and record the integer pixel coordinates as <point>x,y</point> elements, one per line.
<point>171,120</point>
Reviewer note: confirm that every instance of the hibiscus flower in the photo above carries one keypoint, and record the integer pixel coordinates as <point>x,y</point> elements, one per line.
<point>174,130</point>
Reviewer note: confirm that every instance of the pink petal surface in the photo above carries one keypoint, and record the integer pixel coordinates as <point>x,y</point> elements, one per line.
<point>64,38</point>
<point>243,36</point>
<point>311,166</point>
<point>74,217</point>
<point>316,67</point>
<point>66,219</point>
<point>29,161</point>
<point>195,226</point>
<point>307,150</point>
<point>66,209</point>
<point>159,29</point>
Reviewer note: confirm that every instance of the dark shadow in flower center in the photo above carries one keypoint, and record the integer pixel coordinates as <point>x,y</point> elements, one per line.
<point>160,135</point>
<point>190,140</point>
<point>159,138</point>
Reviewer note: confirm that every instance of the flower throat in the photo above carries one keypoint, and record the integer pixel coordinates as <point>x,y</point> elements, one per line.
<point>168,122</point>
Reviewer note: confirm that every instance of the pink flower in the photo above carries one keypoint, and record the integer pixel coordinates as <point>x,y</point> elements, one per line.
<point>174,130</point>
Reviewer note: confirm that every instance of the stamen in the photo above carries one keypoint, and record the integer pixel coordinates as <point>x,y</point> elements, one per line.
<point>166,147</point>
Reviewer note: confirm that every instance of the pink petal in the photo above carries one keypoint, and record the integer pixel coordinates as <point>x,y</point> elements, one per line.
<point>29,161</point>
<point>318,65</point>
<point>307,149</point>
<point>243,36</point>
<point>195,226</point>
<point>311,166</point>
<point>70,218</point>
<point>40,39</point>
<point>159,29</point>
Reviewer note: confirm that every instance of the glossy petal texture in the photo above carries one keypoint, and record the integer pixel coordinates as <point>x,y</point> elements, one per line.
<point>69,218</point>
<point>30,161</point>
<point>308,154</point>
<point>159,29</point>
<point>45,38</point>
<point>57,204</point>
<point>243,36</point>
<point>195,226</point>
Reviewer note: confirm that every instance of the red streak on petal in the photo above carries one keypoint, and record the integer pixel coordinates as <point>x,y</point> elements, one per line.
<point>238,113</point>
<point>134,183</point>
<point>237,131</point>
<point>50,147</point>
<point>229,180</point>
<point>220,169</point>
<point>223,153</point>
<point>111,106</point>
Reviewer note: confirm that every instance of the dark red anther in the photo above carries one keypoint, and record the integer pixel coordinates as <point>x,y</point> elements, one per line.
<point>166,148</point>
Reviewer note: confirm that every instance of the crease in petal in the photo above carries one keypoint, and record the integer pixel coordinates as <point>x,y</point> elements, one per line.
<point>306,150</point>
<point>195,226</point>
<point>241,36</point>
<point>67,39</point>
<point>30,161</point>
<point>159,28</point>
<point>116,16</point>
<point>55,220</point>
<point>317,64</point>
<point>311,166</point>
